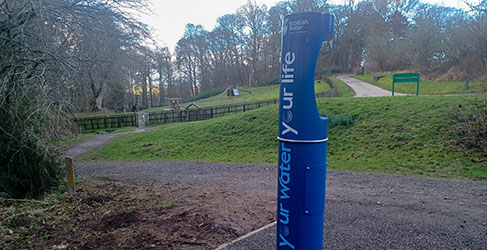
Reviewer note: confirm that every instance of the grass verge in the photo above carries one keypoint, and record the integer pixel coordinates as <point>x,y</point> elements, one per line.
<point>343,89</point>
<point>402,135</point>
<point>425,87</point>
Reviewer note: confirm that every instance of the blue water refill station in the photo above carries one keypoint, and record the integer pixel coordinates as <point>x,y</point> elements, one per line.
<point>303,134</point>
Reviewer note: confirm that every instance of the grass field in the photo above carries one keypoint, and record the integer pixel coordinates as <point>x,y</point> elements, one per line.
<point>425,87</point>
<point>403,135</point>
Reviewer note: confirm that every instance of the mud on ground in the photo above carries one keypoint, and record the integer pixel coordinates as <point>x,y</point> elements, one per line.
<point>111,214</point>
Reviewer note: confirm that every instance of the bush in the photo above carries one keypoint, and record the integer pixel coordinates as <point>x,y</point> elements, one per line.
<point>141,107</point>
<point>268,81</point>
<point>470,125</point>
<point>29,163</point>
<point>28,172</point>
<point>329,71</point>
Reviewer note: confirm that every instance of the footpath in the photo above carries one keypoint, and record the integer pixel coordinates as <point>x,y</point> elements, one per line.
<point>363,211</point>
<point>367,211</point>
<point>363,89</point>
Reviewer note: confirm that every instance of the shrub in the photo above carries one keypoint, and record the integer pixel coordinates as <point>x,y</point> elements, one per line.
<point>328,71</point>
<point>29,164</point>
<point>470,124</point>
<point>273,80</point>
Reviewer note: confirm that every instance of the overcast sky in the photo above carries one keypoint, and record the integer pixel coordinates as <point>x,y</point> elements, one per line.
<point>169,17</point>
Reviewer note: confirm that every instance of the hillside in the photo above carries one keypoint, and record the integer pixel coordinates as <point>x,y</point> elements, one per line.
<point>261,94</point>
<point>425,87</point>
<point>402,135</point>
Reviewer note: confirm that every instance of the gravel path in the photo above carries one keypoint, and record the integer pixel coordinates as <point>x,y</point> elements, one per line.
<point>363,89</point>
<point>79,149</point>
<point>85,146</point>
<point>363,211</point>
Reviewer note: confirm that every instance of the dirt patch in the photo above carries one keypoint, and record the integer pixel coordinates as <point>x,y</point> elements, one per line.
<point>118,220</point>
<point>110,214</point>
<point>95,200</point>
<point>22,220</point>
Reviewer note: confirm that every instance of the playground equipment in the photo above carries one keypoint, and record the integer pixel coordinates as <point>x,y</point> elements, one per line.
<point>232,92</point>
<point>241,89</point>
<point>175,103</point>
<point>302,135</point>
<point>193,105</point>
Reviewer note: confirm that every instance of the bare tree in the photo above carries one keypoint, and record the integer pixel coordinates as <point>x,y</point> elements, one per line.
<point>254,16</point>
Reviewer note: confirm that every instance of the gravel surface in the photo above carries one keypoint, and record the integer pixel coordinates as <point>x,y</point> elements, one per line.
<point>85,146</point>
<point>363,89</point>
<point>79,149</point>
<point>363,211</point>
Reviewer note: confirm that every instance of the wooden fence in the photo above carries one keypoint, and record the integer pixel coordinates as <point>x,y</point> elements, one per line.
<point>103,122</point>
<point>186,115</point>
<point>182,115</point>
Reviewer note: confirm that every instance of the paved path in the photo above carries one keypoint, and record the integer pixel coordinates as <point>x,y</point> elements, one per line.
<point>363,89</point>
<point>363,211</point>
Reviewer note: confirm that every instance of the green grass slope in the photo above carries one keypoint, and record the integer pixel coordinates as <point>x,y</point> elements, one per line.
<point>402,135</point>
<point>425,87</point>
<point>343,89</point>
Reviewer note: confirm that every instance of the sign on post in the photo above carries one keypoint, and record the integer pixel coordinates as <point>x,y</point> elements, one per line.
<point>407,77</point>
<point>302,134</point>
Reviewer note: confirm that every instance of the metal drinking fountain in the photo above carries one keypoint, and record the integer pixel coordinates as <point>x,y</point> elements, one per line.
<point>303,134</point>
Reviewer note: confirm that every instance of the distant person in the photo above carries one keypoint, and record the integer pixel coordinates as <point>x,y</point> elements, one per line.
<point>134,108</point>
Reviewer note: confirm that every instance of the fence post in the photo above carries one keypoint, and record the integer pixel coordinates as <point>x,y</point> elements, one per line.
<point>211,110</point>
<point>180,115</point>
<point>244,107</point>
<point>70,174</point>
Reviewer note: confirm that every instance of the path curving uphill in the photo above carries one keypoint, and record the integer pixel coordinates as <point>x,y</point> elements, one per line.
<point>363,89</point>
<point>363,211</point>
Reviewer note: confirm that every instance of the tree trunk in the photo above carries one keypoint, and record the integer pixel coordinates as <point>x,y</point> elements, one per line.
<point>101,95</point>
<point>98,94</point>
<point>144,91</point>
<point>150,90</point>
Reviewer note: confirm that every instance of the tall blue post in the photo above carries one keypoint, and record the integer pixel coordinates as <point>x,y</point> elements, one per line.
<point>302,134</point>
